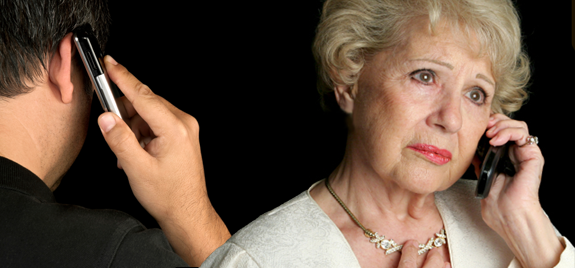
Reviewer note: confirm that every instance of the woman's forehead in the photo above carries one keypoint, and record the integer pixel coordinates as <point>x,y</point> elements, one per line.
<point>441,38</point>
<point>444,45</point>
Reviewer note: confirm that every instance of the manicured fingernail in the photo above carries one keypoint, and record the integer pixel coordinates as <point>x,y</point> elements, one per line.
<point>111,60</point>
<point>107,122</point>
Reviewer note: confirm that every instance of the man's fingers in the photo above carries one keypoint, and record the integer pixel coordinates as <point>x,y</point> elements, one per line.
<point>128,83</point>
<point>122,140</point>
<point>130,111</point>
<point>149,106</point>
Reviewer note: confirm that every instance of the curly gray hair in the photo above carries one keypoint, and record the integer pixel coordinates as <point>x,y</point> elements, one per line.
<point>350,31</point>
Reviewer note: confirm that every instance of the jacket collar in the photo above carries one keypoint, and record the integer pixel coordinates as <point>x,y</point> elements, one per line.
<point>15,177</point>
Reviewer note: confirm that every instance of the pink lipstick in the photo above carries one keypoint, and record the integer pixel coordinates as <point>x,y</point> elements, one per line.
<point>432,153</point>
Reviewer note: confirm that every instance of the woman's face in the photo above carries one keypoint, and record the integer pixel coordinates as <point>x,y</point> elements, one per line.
<point>420,110</point>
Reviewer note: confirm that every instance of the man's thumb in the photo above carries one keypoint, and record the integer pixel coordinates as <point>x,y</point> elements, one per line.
<point>120,138</point>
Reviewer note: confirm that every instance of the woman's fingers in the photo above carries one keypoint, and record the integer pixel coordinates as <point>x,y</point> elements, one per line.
<point>518,135</point>
<point>409,257</point>
<point>496,118</point>
<point>434,259</point>
<point>502,129</point>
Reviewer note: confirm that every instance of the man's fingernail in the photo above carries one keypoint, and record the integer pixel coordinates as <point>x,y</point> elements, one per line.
<point>107,122</point>
<point>111,60</point>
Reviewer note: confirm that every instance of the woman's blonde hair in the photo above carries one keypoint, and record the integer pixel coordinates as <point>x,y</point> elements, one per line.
<point>350,31</point>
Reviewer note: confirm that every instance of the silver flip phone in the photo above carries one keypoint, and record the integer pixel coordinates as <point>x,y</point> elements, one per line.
<point>91,54</point>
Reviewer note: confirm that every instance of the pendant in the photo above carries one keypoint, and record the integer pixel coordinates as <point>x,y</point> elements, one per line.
<point>436,242</point>
<point>389,246</point>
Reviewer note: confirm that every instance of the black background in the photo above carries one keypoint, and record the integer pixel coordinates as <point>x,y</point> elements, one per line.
<point>245,71</point>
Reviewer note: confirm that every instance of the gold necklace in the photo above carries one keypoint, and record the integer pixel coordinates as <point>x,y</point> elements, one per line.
<point>389,246</point>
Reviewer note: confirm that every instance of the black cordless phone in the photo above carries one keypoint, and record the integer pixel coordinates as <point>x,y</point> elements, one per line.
<point>91,54</point>
<point>495,160</point>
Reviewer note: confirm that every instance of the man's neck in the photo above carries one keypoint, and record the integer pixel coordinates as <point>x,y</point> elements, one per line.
<point>24,133</point>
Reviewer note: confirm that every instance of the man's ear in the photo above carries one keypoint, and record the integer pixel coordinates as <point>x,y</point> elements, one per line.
<point>60,68</point>
<point>345,96</point>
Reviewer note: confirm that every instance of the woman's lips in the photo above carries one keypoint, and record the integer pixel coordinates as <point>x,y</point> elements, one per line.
<point>434,154</point>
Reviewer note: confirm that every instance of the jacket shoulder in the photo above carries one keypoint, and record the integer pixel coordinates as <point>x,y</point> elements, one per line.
<point>296,234</point>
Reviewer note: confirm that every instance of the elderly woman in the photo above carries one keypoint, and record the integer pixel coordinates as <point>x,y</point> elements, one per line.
<point>421,83</point>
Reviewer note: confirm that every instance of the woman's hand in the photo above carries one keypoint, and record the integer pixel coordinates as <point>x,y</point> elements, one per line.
<point>520,192</point>
<point>512,208</point>
<point>409,257</point>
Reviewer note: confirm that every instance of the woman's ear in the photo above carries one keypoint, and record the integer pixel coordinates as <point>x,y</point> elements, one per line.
<point>60,68</point>
<point>345,96</point>
<point>344,93</point>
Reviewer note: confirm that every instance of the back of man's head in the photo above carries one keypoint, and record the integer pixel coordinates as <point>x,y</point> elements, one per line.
<point>30,31</point>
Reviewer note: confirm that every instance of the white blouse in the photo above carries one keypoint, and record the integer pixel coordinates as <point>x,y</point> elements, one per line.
<point>299,234</point>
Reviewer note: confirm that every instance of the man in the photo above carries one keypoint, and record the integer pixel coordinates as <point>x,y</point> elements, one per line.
<point>45,98</point>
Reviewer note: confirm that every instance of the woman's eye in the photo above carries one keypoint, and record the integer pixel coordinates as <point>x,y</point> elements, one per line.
<point>425,76</point>
<point>477,95</point>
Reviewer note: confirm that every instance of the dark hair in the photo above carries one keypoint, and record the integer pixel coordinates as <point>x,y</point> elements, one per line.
<point>30,32</point>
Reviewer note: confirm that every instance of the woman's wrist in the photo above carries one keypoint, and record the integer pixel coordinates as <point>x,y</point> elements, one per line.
<point>532,238</point>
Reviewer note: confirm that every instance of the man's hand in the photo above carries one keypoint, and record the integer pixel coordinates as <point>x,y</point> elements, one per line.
<point>166,174</point>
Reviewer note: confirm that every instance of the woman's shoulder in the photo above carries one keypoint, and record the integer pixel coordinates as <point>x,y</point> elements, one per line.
<point>296,234</point>
<point>298,217</point>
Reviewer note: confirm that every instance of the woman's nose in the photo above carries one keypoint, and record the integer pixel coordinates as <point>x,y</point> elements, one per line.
<point>447,113</point>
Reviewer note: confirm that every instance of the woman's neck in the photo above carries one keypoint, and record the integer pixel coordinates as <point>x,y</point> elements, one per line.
<point>364,192</point>
<point>379,204</point>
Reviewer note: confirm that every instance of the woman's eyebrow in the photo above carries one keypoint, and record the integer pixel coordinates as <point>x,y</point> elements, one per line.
<point>480,76</point>
<point>436,62</point>
<point>483,77</point>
